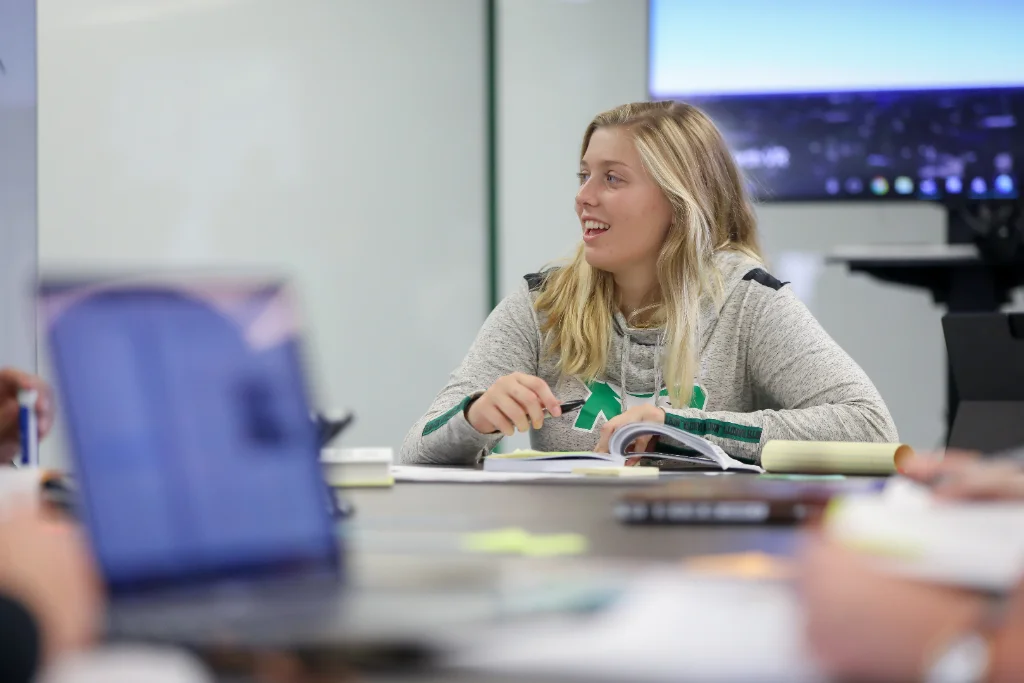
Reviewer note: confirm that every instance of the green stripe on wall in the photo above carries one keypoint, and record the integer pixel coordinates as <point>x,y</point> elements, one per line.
<point>491,52</point>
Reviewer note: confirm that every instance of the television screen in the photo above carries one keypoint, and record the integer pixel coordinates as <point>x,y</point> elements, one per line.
<point>868,99</point>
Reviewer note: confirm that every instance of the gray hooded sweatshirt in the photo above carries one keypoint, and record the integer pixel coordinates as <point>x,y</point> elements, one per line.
<point>767,371</point>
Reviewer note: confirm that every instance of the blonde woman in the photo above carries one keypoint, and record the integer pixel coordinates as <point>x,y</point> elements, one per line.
<point>665,314</point>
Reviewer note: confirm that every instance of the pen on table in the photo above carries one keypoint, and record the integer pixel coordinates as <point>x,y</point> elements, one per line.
<point>28,427</point>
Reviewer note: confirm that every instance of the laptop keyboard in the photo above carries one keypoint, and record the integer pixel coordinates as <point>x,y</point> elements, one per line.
<point>197,617</point>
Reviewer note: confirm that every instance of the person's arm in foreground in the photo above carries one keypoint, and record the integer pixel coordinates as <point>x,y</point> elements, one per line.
<point>968,476</point>
<point>865,624</point>
<point>50,602</point>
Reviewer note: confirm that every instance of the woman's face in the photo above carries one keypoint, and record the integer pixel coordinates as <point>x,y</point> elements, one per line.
<point>623,213</point>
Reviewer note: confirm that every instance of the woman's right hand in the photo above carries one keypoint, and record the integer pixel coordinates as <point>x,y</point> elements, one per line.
<point>513,402</point>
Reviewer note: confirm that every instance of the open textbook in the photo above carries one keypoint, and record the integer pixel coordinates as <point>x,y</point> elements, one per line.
<point>699,454</point>
<point>814,457</point>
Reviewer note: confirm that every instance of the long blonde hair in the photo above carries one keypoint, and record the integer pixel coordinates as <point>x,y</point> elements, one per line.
<point>686,156</point>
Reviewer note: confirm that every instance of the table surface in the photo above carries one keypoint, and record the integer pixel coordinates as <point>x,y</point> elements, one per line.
<point>415,528</point>
<point>390,520</point>
<point>409,537</point>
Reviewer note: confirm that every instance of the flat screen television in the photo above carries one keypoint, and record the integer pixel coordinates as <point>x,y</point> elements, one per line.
<point>856,100</point>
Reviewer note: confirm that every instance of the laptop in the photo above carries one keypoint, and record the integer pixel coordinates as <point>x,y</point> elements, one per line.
<point>986,356</point>
<point>197,466</point>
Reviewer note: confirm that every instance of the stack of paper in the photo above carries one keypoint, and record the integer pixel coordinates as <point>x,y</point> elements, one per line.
<point>357,467</point>
<point>669,626</point>
<point>971,544</point>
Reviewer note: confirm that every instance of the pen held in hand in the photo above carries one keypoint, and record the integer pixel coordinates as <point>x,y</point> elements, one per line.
<point>568,407</point>
<point>28,427</point>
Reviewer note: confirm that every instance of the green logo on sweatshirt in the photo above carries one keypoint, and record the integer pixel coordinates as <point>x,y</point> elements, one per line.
<point>606,399</point>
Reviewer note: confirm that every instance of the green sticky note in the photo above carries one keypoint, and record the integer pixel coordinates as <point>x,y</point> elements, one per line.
<point>549,545</point>
<point>515,541</point>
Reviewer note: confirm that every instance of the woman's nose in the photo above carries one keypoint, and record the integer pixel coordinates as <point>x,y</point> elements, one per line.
<point>585,195</point>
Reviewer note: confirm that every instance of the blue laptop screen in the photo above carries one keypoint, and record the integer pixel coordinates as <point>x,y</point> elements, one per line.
<point>190,431</point>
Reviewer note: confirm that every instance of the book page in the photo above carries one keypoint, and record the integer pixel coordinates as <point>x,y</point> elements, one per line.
<point>834,457</point>
<point>705,449</point>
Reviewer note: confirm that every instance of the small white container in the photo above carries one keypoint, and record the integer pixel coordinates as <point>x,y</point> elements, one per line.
<point>354,467</point>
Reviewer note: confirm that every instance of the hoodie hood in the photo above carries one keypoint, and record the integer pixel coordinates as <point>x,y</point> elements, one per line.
<point>634,359</point>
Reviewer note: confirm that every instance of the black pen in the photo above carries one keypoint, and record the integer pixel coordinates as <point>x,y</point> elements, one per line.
<point>328,428</point>
<point>570,406</point>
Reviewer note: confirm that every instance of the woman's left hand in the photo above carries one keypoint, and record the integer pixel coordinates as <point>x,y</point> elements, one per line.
<point>644,413</point>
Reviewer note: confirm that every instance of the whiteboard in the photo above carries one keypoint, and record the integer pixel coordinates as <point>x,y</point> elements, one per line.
<point>342,143</point>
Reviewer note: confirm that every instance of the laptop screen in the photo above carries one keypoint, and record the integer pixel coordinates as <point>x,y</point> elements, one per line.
<point>190,430</point>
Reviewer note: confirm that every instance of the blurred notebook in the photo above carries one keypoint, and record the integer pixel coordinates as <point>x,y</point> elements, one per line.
<point>978,545</point>
<point>669,625</point>
<point>732,501</point>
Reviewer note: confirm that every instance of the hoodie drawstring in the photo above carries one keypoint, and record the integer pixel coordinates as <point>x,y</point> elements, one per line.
<point>625,365</point>
<point>657,371</point>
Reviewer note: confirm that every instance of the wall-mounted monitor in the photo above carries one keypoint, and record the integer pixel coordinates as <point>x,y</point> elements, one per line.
<point>856,100</point>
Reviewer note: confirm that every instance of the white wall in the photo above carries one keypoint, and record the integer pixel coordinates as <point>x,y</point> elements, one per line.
<point>561,62</point>
<point>341,142</point>
<point>18,183</point>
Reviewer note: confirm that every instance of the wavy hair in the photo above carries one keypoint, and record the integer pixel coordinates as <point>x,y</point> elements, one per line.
<point>687,157</point>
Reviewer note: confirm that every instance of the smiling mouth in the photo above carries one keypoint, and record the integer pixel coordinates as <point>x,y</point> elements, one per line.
<point>592,228</point>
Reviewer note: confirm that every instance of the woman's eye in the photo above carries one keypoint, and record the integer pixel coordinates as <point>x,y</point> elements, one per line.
<point>582,177</point>
<point>612,180</point>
